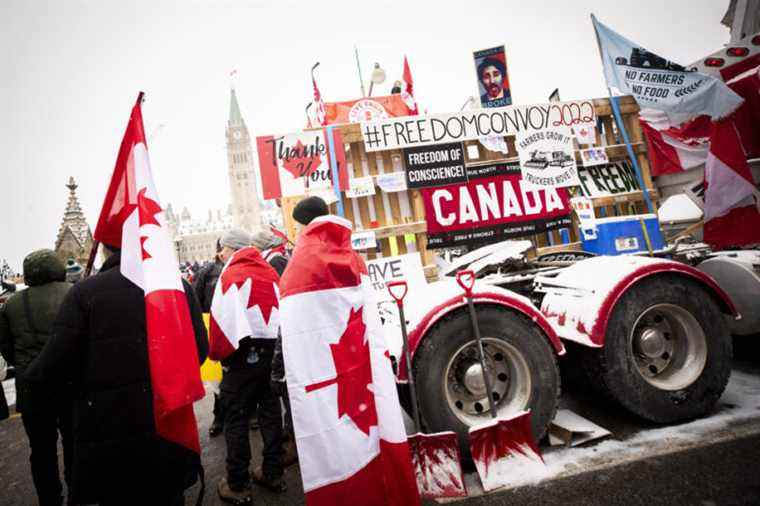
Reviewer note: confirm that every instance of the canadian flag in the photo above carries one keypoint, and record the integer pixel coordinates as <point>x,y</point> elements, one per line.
<point>349,431</point>
<point>245,303</point>
<point>132,219</point>
<point>731,199</point>
<point>675,148</point>
<point>408,91</point>
<point>319,104</point>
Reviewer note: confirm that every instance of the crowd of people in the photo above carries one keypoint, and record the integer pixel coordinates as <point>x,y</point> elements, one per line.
<point>80,352</point>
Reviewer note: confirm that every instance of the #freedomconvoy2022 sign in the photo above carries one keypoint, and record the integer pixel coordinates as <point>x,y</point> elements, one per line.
<point>407,132</point>
<point>608,180</point>
<point>493,204</point>
<point>438,165</point>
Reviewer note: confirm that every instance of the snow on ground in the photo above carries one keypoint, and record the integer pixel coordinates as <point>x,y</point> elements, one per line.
<point>739,403</point>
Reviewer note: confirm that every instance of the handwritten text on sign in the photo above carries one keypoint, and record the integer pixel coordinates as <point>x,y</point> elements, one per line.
<point>469,125</point>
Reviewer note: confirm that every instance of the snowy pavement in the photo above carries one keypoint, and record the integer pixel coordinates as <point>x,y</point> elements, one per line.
<point>713,459</point>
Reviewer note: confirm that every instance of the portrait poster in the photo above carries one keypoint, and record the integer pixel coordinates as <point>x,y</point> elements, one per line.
<point>493,77</point>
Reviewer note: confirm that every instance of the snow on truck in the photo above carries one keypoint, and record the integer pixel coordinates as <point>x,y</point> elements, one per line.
<point>650,327</point>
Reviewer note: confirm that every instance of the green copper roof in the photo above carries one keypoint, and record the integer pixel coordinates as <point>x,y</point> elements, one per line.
<point>235,117</point>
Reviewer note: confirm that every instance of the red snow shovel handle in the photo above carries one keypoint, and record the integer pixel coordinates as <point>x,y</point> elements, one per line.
<point>466,280</point>
<point>398,290</point>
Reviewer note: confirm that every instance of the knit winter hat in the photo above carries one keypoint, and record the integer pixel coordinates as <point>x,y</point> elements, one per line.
<point>235,239</point>
<point>308,209</point>
<point>264,239</point>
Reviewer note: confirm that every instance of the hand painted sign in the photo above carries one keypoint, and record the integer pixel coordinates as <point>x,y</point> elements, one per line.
<point>495,204</point>
<point>493,80</point>
<point>608,180</point>
<point>473,124</point>
<point>294,164</point>
<point>438,165</point>
<point>382,271</point>
<point>594,156</point>
<point>547,157</point>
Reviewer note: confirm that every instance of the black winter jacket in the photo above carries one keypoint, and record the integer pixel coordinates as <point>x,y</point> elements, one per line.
<point>205,284</point>
<point>99,343</point>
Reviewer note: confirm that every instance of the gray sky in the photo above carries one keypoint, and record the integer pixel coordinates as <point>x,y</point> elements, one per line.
<point>71,71</point>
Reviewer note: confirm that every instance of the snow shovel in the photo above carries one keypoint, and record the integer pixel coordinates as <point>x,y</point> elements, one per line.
<point>503,450</point>
<point>435,457</point>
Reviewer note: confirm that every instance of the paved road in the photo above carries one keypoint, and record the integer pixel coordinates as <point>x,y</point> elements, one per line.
<point>716,462</point>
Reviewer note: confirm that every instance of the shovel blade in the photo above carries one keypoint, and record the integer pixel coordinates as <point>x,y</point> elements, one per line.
<point>437,465</point>
<point>505,453</point>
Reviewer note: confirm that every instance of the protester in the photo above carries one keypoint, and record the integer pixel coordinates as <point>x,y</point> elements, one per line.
<point>74,271</point>
<point>243,339</point>
<point>100,344</point>
<point>26,324</point>
<point>272,248</point>
<point>204,286</point>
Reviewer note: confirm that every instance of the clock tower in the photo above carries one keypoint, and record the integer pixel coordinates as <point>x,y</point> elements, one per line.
<point>246,208</point>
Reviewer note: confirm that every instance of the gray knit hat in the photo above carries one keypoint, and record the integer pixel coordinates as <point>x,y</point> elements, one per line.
<point>235,239</point>
<point>264,239</point>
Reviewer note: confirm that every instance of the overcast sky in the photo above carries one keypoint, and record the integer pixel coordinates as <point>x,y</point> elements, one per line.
<point>71,71</point>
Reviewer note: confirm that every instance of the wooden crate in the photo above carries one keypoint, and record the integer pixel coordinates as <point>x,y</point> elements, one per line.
<point>398,218</point>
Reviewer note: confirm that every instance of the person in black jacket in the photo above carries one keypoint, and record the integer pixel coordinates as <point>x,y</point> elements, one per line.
<point>204,285</point>
<point>26,325</point>
<point>99,343</point>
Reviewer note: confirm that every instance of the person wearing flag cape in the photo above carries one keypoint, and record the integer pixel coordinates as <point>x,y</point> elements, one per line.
<point>130,340</point>
<point>348,424</point>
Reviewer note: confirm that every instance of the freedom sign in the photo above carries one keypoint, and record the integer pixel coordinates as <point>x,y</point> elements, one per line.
<point>407,132</point>
<point>295,164</point>
<point>495,204</point>
<point>435,165</point>
<point>608,180</point>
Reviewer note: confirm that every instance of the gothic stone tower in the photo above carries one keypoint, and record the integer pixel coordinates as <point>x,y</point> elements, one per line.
<point>246,211</point>
<point>74,236</point>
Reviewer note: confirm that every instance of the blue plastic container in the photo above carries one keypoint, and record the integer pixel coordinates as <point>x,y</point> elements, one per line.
<point>623,234</point>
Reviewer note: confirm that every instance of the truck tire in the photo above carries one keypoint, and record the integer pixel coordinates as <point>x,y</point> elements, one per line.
<point>667,351</point>
<point>449,382</point>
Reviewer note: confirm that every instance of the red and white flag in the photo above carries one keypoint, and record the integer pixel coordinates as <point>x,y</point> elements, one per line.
<point>349,430</point>
<point>132,219</point>
<point>245,303</point>
<point>319,104</point>
<point>407,93</point>
<point>675,148</point>
<point>731,198</point>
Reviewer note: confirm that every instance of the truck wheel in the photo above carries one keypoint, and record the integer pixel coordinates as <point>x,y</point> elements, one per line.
<point>667,351</point>
<point>524,373</point>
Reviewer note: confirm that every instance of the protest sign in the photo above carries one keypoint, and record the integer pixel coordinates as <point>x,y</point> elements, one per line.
<point>360,187</point>
<point>493,80</point>
<point>594,156</point>
<point>585,134</point>
<point>547,157</point>
<point>363,240</point>
<point>295,164</point>
<point>392,181</point>
<point>365,109</point>
<point>584,209</point>
<point>608,180</point>
<point>382,271</point>
<point>494,204</point>
<point>438,165</point>
<point>394,133</point>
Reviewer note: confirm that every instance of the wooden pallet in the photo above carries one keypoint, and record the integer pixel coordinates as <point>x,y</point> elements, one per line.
<point>398,219</point>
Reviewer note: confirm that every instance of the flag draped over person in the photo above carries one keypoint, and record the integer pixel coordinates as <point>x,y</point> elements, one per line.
<point>348,424</point>
<point>407,93</point>
<point>132,219</point>
<point>245,303</point>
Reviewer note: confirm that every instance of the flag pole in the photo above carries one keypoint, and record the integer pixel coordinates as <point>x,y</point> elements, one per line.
<point>614,102</point>
<point>334,170</point>
<point>359,68</point>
